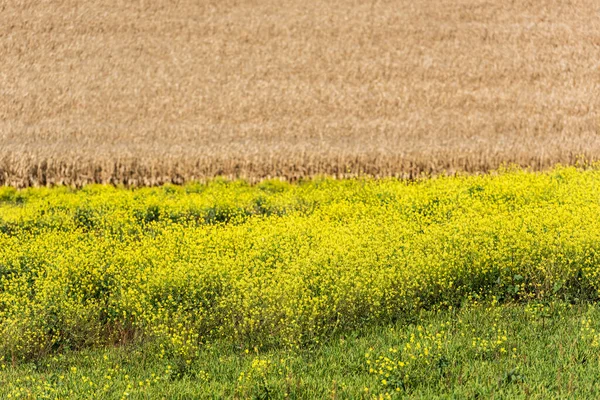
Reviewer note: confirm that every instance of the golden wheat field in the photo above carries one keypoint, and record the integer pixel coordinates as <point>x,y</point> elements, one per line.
<point>147,92</point>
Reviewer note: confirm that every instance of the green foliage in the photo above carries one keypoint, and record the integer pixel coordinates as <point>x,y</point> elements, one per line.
<point>483,350</point>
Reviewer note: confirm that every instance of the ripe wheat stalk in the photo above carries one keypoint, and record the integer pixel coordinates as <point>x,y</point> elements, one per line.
<point>143,93</point>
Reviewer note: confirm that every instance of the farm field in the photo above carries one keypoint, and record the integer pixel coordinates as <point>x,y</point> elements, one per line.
<point>261,282</point>
<point>144,93</point>
<point>269,199</point>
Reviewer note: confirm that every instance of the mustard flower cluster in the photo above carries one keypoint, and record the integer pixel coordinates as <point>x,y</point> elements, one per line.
<point>422,350</point>
<point>426,354</point>
<point>283,264</point>
<point>115,381</point>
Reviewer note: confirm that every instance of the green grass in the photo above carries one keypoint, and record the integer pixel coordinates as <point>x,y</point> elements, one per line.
<point>534,351</point>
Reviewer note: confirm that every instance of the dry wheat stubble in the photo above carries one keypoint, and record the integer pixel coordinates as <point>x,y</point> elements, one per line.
<point>145,92</point>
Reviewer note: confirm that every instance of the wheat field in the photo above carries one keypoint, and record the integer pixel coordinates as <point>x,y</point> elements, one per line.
<point>143,92</point>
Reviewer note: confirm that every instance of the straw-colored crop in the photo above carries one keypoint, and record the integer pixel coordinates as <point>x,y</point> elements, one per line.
<point>281,264</point>
<point>146,92</point>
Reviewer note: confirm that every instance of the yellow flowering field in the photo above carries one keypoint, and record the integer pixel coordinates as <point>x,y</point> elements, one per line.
<point>280,264</point>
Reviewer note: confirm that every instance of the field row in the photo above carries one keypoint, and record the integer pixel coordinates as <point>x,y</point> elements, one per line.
<point>281,264</point>
<point>145,94</point>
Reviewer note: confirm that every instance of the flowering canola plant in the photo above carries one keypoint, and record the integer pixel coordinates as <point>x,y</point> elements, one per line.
<point>282,264</point>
